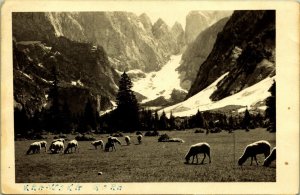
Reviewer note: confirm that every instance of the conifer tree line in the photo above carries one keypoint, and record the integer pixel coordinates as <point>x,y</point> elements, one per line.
<point>129,116</point>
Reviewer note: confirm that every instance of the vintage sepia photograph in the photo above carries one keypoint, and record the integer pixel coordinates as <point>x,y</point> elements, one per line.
<point>107,98</point>
<point>100,94</point>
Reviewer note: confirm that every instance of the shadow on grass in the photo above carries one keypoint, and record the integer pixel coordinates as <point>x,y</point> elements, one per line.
<point>196,163</point>
<point>55,153</point>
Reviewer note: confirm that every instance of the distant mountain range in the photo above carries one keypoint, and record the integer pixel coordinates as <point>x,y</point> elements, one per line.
<point>91,49</point>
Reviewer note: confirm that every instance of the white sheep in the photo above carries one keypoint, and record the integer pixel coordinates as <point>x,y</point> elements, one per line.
<point>98,143</point>
<point>57,147</point>
<point>113,139</point>
<point>44,145</point>
<point>72,144</point>
<point>270,158</point>
<point>139,138</point>
<point>198,149</point>
<point>127,139</point>
<point>59,139</point>
<point>35,147</point>
<point>259,147</point>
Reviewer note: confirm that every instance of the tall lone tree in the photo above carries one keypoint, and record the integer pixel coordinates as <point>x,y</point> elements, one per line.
<point>54,112</point>
<point>127,111</point>
<point>246,120</point>
<point>271,108</point>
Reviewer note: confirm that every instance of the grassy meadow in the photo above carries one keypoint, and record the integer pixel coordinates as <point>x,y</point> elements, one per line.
<point>151,161</point>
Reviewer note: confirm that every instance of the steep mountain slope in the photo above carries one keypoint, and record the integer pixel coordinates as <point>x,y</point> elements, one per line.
<point>130,41</point>
<point>178,33</point>
<point>197,21</point>
<point>162,32</point>
<point>81,77</point>
<point>197,52</point>
<point>245,48</point>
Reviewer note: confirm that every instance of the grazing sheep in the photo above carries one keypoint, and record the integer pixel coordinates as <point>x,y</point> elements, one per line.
<point>176,140</point>
<point>139,138</point>
<point>98,143</point>
<point>44,145</point>
<point>127,139</point>
<point>111,143</point>
<point>60,139</point>
<point>270,158</point>
<point>35,147</point>
<point>259,147</point>
<point>72,144</point>
<point>56,140</point>
<point>57,147</point>
<point>108,145</point>
<point>198,149</point>
<point>113,139</point>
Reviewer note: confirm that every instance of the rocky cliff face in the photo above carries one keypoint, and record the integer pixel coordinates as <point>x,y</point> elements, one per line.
<point>166,40</point>
<point>130,41</point>
<point>245,48</point>
<point>178,33</point>
<point>197,21</point>
<point>83,72</point>
<point>197,52</point>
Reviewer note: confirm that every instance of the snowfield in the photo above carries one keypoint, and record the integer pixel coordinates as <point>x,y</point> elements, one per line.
<point>160,83</point>
<point>247,97</point>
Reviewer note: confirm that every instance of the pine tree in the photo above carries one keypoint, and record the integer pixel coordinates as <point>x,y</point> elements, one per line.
<point>231,122</point>
<point>127,111</point>
<point>66,118</point>
<point>163,121</point>
<point>89,116</point>
<point>246,120</point>
<point>54,112</point>
<point>172,121</point>
<point>271,108</point>
<point>199,119</point>
<point>21,121</point>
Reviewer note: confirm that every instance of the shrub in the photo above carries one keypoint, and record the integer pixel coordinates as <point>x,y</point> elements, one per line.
<point>60,136</point>
<point>163,138</point>
<point>118,134</point>
<point>153,133</point>
<point>215,130</point>
<point>199,131</point>
<point>85,138</point>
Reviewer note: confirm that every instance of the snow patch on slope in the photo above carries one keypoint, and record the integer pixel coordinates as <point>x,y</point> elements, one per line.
<point>160,83</point>
<point>247,97</point>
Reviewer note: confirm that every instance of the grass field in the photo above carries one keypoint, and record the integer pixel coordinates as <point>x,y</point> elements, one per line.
<point>151,161</point>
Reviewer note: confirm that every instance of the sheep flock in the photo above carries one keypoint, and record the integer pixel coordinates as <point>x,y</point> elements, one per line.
<point>251,150</point>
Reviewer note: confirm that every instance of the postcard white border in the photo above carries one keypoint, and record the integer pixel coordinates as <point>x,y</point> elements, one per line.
<point>287,80</point>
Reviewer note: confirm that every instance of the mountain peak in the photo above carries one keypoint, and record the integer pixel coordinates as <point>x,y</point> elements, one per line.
<point>160,22</point>
<point>177,27</point>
